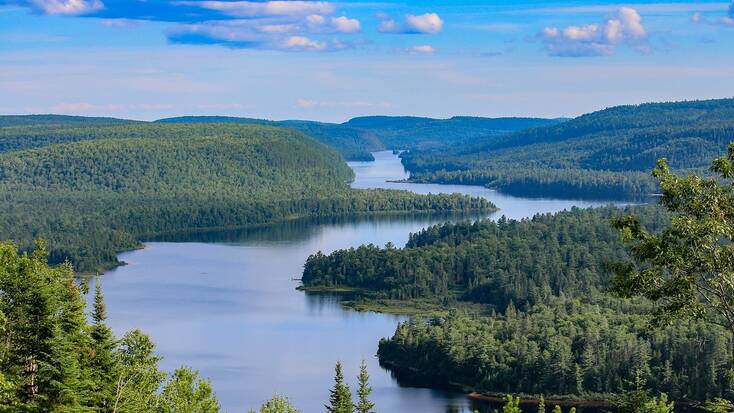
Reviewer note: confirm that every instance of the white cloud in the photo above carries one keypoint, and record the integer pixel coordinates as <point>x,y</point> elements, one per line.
<point>424,23</point>
<point>727,21</point>
<point>267,8</point>
<point>429,23</point>
<point>344,24</point>
<point>67,7</point>
<point>423,49</point>
<point>697,17</point>
<point>625,27</point>
<point>316,19</point>
<point>303,43</point>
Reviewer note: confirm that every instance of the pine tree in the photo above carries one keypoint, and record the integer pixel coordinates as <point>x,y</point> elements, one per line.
<point>557,409</point>
<point>340,400</point>
<point>103,360</point>
<point>364,405</point>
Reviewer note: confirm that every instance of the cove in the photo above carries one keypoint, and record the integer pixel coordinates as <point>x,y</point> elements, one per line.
<point>226,303</point>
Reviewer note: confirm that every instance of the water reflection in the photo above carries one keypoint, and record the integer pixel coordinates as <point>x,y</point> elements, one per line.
<point>225,303</point>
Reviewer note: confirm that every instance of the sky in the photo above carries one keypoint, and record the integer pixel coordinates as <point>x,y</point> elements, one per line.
<point>334,60</point>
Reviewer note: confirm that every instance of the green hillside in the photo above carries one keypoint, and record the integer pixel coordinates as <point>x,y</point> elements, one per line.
<point>26,120</point>
<point>98,195</point>
<point>602,154</point>
<point>358,137</point>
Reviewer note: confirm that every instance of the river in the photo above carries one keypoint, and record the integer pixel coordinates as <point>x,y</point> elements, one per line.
<point>226,303</point>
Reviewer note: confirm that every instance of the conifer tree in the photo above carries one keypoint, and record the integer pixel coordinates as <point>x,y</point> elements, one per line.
<point>364,405</point>
<point>541,404</point>
<point>103,361</point>
<point>340,400</point>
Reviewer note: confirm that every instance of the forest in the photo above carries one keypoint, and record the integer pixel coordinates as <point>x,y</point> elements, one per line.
<point>358,137</point>
<point>604,154</point>
<point>93,191</point>
<point>57,357</point>
<point>546,324</point>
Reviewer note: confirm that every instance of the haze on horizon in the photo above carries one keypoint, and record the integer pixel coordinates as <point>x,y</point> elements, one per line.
<point>333,60</point>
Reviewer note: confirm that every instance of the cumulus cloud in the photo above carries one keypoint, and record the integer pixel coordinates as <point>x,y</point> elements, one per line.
<point>303,43</point>
<point>624,28</point>
<point>429,23</point>
<point>267,8</point>
<point>60,7</point>
<point>344,24</point>
<point>316,23</point>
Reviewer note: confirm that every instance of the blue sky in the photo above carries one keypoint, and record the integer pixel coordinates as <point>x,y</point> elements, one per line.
<point>332,60</point>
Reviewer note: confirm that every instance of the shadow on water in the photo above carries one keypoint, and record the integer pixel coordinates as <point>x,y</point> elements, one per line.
<point>302,229</point>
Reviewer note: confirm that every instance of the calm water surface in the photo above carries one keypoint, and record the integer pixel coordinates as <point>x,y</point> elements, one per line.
<point>226,304</point>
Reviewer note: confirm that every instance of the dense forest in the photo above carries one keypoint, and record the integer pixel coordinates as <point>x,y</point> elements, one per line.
<point>604,154</point>
<point>358,137</point>
<point>93,191</point>
<point>491,262</point>
<point>57,357</point>
<point>545,324</point>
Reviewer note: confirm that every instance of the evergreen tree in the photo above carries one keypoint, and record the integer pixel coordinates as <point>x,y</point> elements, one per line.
<point>557,409</point>
<point>103,361</point>
<point>340,400</point>
<point>364,405</point>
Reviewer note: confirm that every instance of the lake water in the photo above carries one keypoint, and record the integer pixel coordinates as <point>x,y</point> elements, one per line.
<point>226,303</point>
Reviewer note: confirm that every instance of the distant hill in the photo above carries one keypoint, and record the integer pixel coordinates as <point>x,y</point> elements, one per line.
<point>94,191</point>
<point>608,153</point>
<point>358,137</point>
<point>26,120</point>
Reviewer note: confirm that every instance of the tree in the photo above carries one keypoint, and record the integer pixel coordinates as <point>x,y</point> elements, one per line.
<point>557,409</point>
<point>104,362</point>
<point>185,392</point>
<point>687,269</point>
<point>364,405</point>
<point>541,404</point>
<point>138,377</point>
<point>277,404</point>
<point>340,400</point>
<point>512,404</point>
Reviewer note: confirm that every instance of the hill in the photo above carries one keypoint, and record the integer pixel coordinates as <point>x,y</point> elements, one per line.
<point>602,154</point>
<point>26,120</point>
<point>358,137</point>
<point>93,192</point>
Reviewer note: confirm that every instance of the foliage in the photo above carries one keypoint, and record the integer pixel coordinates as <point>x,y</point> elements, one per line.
<point>688,269</point>
<point>115,185</point>
<point>277,404</point>
<point>364,405</point>
<point>491,262</point>
<point>52,360</point>
<point>185,392</point>
<point>340,400</point>
<point>563,348</point>
<point>603,154</point>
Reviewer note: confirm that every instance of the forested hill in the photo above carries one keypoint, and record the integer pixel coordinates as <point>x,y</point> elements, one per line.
<point>601,154</point>
<point>358,137</point>
<point>95,191</point>
<point>539,321</point>
<point>353,144</point>
<point>407,132</point>
<point>25,120</point>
